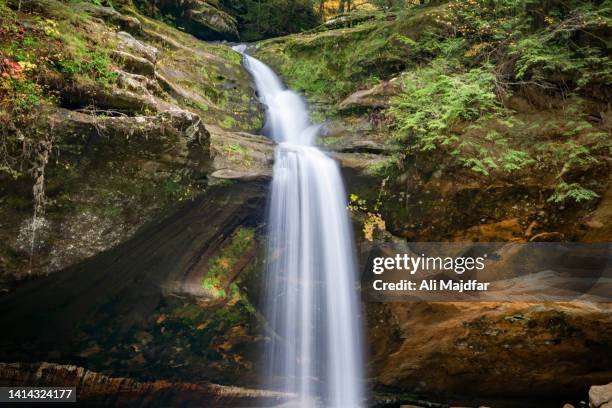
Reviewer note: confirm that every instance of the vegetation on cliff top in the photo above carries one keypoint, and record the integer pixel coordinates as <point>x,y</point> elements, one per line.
<point>512,92</point>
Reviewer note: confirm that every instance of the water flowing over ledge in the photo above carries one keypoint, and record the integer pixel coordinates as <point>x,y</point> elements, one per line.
<point>312,303</point>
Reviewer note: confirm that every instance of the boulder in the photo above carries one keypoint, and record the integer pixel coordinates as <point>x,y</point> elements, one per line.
<point>354,134</point>
<point>202,18</point>
<point>184,126</point>
<point>128,146</point>
<point>600,396</point>
<point>130,94</point>
<point>149,87</point>
<point>359,162</point>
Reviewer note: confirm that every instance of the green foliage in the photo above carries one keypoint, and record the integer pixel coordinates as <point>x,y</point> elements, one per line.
<point>536,58</point>
<point>433,99</point>
<point>383,168</point>
<point>237,154</point>
<point>236,148</point>
<point>513,160</point>
<point>92,64</point>
<point>26,95</point>
<point>478,165</point>
<point>567,155</point>
<point>429,45</point>
<point>486,51</point>
<point>572,191</point>
<point>178,187</point>
<point>219,268</point>
<point>544,41</point>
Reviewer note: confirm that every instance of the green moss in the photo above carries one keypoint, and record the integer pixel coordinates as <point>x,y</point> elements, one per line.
<point>212,73</point>
<point>327,66</point>
<point>228,54</point>
<point>229,122</point>
<point>384,167</point>
<point>326,141</point>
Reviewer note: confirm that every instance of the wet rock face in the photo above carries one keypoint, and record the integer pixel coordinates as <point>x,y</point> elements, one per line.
<point>427,203</point>
<point>549,351</point>
<point>112,186</point>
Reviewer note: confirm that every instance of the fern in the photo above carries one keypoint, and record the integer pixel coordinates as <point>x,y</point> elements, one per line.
<point>514,160</point>
<point>432,100</point>
<point>573,191</point>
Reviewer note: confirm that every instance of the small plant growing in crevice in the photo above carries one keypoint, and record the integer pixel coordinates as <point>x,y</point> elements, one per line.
<point>572,191</point>
<point>220,267</point>
<point>373,219</point>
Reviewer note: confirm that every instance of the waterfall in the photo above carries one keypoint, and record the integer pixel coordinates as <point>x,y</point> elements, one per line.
<point>312,304</point>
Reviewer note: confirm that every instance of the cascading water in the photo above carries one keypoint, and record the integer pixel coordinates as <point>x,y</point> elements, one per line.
<point>312,305</point>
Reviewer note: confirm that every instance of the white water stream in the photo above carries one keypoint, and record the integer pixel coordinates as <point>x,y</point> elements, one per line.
<point>312,303</point>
